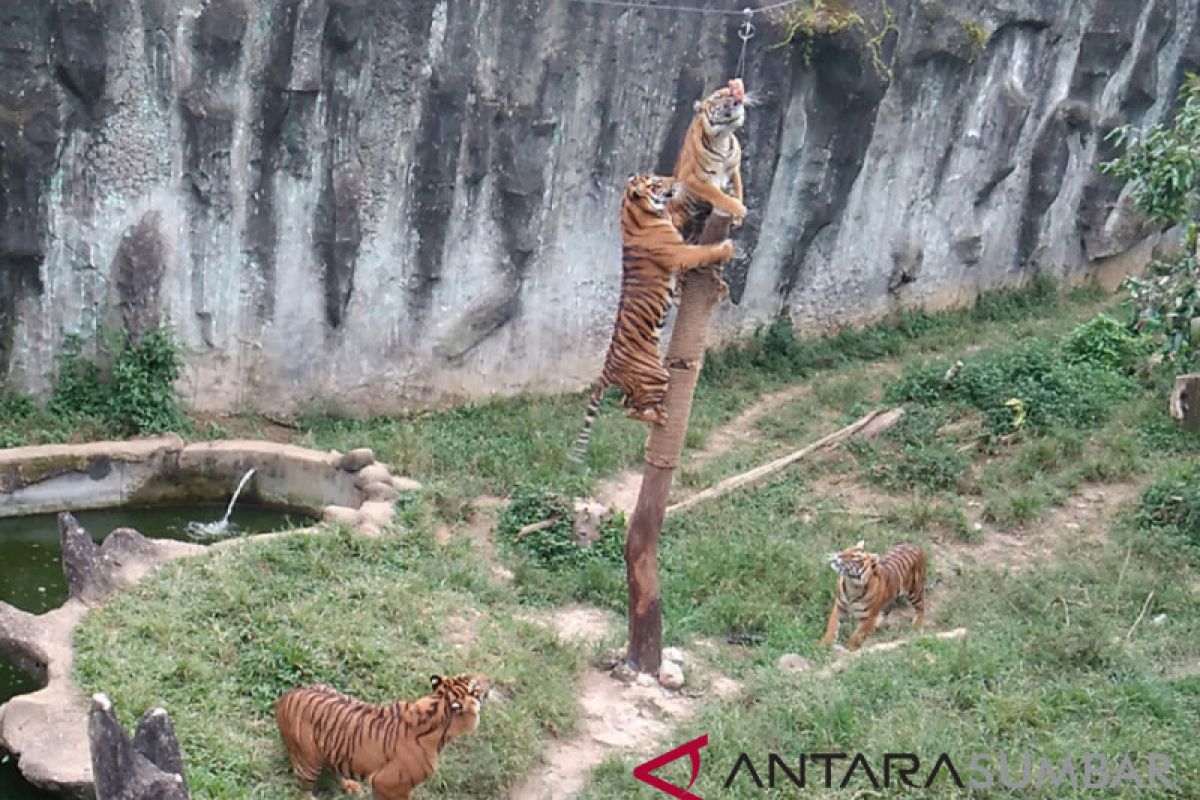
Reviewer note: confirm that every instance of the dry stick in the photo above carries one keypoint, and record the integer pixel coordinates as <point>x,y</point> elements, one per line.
<point>1066,610</point>
<point>882,419</point>
<point>1133,627</point>
<point>685,356</point>
<point>533,527</point>
<point>1121,576</point>
<point>849,511</point>
<point>845,658</point>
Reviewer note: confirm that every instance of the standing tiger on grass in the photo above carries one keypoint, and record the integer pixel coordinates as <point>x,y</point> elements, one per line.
<point>709,167</point>
<point>393,748</point>
<point>867,584</point>
<point>652,253</point>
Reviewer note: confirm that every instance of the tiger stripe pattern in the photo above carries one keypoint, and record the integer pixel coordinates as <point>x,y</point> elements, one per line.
<point>867,584</point>
<point>709,164</point>
<point>652,254</point>
<point>392,748</point>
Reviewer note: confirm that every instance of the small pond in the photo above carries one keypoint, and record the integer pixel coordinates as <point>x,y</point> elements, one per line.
<point>31,576</point>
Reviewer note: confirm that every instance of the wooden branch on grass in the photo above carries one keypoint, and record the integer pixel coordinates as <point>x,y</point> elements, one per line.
<point>1133,627</point>
<point>872,424</point>
<point>850,655</point>
<point>533,528</point>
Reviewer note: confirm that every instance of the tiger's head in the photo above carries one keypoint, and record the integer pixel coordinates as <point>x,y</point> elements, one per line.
<point>461,699</point>
<point>855,564</point>
<point>722,111</point>
<point>650,193</point>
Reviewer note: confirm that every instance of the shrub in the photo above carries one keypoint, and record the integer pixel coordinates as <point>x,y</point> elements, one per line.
<point>129,385</point>
<point>555,546</point>
<point>1052,390</point>
<point>1161,165</point>
<point>1104,342</point>
<point>1173,502</point>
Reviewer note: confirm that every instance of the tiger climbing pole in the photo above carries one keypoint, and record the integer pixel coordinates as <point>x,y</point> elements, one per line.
<point>699,297</point>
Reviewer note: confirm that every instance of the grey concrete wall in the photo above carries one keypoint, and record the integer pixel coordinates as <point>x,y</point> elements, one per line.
<point>384,202</point>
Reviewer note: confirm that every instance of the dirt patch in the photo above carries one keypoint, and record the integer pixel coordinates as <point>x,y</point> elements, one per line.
<point>842,492</point>
<point>621,491</point>
<point>249,427</point>
<point>1085,518</point>
<point>617,717</point>
<point>576,624</point>
<point>462,630</point>
<point>741,429</point>
<point>480,529</point>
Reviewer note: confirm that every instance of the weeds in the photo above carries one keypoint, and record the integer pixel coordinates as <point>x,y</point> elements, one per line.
<point>1103,342</point>
<point>1173,502</point>
<point>556,546</point>
<point>1052,391</point>
<point>126,390</point>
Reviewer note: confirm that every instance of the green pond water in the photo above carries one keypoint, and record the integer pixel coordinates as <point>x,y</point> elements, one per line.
<point>31,576</point>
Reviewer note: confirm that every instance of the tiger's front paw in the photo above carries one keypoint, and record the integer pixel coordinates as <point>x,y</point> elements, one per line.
<point>737,210</point>
<point>353,787</point>
<point>726,250</point>
<point>826,641</point>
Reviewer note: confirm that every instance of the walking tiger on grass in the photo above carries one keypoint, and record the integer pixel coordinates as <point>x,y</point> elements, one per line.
<point>393,748</point>
<point>867,584</point>
<point>653,252</point>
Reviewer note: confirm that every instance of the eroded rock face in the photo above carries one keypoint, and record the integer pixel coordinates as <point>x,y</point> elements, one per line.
<point>148,767</point>
<point>399,201</point>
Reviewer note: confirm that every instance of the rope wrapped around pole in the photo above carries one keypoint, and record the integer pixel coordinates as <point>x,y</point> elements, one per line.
<point>701,292</point>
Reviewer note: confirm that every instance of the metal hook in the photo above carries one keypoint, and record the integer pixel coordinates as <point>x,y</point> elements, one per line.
<point>746,30</point>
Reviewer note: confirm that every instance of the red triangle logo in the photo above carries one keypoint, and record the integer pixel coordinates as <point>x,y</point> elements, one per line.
<point>645,772</point>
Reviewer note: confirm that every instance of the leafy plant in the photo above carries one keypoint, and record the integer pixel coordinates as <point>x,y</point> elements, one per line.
<point>1105,342</point>
<point>1162,163</point>
<point>1162,168</point>
<point>1167,305</point>
<point>129,384</point>
<point>1173,501</point>
<point>1051,390</point>
<point>805,22</point>
<point>555,545</point>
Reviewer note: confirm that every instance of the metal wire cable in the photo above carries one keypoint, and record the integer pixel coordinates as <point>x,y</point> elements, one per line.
<point>692,9</point>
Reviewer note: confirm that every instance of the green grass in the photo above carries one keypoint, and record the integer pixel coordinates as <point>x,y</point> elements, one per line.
<point>492,446</point>
<point>215,640</point>
<point>1025,679</point>
<point>376,617</point>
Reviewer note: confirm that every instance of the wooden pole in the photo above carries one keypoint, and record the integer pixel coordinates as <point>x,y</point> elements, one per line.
<point>685,356</point>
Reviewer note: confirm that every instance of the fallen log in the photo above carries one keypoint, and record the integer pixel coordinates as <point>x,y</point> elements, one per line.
<point>870,425</point>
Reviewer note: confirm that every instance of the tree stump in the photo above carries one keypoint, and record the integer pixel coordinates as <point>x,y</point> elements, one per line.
<point>1185,401</point>
<point>685,356</point>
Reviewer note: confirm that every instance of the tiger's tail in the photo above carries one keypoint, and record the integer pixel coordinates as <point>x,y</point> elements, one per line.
<point>579,451</point>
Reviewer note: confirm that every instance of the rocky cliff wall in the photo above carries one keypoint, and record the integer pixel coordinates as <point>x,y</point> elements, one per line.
<point>382,202</point>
